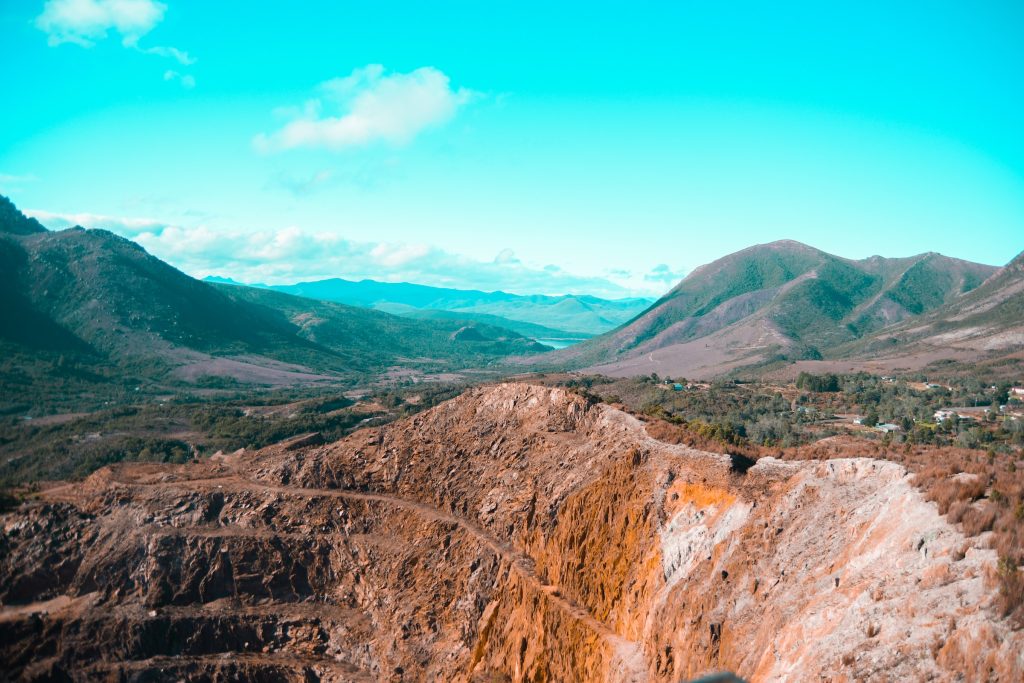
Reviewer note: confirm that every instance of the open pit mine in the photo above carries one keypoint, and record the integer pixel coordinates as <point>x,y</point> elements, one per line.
<point>515,533</point>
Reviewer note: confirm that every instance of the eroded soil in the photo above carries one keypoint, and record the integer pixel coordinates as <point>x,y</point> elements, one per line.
<point>514,533</point>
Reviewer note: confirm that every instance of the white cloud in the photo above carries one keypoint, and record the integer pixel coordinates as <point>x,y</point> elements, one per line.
<point>84,22</point>
<point>180,56</point>
<point>368,106</point>
<point>395,255</point>
<point>291,255</point>
<point>127,227</point>
<point>506,255</point>
<point>661,273</point>
<point>187,81</point>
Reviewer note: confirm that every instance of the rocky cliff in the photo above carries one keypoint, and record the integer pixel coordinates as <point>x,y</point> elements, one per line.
<point>516,533</point>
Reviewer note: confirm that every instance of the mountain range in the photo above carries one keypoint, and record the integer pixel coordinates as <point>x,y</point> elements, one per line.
<point>85,313</point>
<point>87,317</point>
<point>788,303</point>
<point>569,316</point>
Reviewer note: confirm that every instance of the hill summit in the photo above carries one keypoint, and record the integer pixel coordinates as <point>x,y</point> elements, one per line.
<point>14,222</point>
<point>778,301</point>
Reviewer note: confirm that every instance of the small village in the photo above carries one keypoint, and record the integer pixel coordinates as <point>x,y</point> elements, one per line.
<point>896,410</point>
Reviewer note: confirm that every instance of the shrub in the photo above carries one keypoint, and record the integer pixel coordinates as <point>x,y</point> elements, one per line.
<point>946,491</point>
<point>976,521</point>
<point>957,510</point>
<point>1011,591</point>
<point>817,383</point>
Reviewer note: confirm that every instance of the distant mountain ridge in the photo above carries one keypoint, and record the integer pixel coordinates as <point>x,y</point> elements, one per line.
<point>85,312</point>
<point>569,315</point>
<point>783,300</point>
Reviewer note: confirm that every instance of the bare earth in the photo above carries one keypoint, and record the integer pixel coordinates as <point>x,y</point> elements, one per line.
<point>250,369</point>
<point>514,533</point>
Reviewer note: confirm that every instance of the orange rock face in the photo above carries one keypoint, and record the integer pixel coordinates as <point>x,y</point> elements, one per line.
<point>515,533</point>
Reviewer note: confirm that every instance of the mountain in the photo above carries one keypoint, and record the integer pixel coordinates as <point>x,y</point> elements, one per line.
<point>988,321</point>
<point>571,316</point>
<point>782,300</point>
<point>14,222</point>
<point>85,313</point>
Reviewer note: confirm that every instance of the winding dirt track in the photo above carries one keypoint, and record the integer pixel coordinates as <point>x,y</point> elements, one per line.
<point>167,665</point>
<point>627,653</point>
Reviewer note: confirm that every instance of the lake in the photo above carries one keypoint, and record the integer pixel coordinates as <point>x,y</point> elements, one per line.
<point>558,343</point>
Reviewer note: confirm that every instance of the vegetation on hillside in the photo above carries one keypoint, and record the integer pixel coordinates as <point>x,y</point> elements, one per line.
<point>89,319</point>
<point>189,426</point>
<point>813,305</point>
<point>568,315</point>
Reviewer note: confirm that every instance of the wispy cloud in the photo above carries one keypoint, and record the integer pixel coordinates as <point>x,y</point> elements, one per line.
<point>84,22</point>
<point>180,56</point>
<point>662,274</point>
<point>187,81</point>
<point>127,227</point>
<point>291,255</point>
<point>368,106</point>
<point>507,256</point>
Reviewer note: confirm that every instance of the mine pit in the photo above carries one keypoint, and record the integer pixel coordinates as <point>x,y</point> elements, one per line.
<point>515,533</point>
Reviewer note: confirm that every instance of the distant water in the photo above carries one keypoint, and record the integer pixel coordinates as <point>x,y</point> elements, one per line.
<point>558,343</point>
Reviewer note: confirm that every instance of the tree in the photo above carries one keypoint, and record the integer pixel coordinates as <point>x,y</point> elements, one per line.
<point>817,383</point>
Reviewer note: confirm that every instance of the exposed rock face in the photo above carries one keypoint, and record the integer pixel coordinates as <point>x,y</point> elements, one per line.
<point>512,534</point>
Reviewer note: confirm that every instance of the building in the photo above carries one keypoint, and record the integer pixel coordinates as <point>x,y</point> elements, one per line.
<point>888,428</point>
<point>944,414</point>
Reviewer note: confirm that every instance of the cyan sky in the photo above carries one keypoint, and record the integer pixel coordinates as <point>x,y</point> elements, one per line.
<point>599,140</point>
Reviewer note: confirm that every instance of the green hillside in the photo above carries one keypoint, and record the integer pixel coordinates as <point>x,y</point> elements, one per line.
<point>91,315</point>
<point>802,300</point>
<point>987,318</point>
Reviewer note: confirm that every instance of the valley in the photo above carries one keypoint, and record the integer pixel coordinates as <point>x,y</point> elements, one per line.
<point>672,342</point>
<point>89,319</point>
<point>566,317</point>
<point>791,466</point>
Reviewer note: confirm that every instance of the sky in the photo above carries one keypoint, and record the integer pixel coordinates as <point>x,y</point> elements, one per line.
<point>602,147</point>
